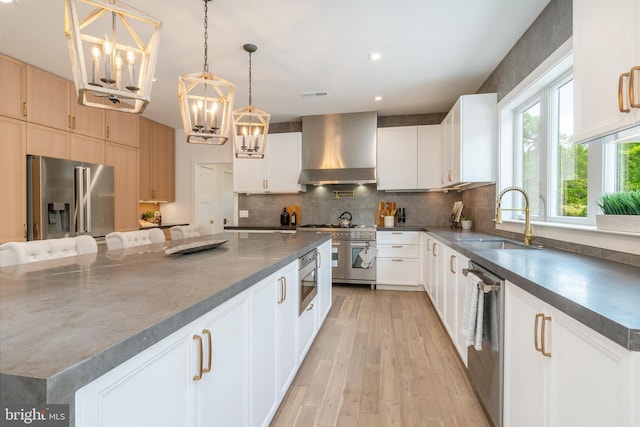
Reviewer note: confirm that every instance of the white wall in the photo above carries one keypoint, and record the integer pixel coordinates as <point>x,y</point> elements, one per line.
<point>187,156</point>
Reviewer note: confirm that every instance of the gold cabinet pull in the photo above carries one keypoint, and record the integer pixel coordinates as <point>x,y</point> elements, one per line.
<point>283,289</point>
<point>543,348</point>
<point>435,252</point>
<point>108,132</point>
<point>199,375</point>
<point>621,93</point>
<point>535,332</point>
<point>24,109</point>
<point>633,101</point>
<point>451,264</point>
<point>428,245</point>
<point>310,307</point>
<point>69,122</point>
<point>24,226</point>
<point>210,355</point>
<point>318,260</point>
<point>396,246</point>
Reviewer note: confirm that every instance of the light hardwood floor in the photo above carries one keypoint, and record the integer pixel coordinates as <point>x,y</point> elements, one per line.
<point>382,358</point>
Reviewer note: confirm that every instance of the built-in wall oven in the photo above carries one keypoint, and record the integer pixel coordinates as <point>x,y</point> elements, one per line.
<point>308,276</point>
<point>350,245</point>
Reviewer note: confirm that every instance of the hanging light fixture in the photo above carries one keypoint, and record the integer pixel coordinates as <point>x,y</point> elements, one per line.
<point>113,49</point>
<point>206,101</point>
<point>250,124</point>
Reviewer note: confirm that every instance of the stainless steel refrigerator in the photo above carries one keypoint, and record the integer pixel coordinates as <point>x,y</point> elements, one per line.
<point>68,198</point>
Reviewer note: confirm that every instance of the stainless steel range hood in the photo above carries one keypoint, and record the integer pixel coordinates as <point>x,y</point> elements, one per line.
<point>339,148</point>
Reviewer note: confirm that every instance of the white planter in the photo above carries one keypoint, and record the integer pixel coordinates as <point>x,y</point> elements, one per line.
<point>466,224</point>
<point>627,223</point>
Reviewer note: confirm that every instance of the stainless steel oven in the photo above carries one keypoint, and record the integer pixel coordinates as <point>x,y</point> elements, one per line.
<point>348,248</point>
<point>308,273</point>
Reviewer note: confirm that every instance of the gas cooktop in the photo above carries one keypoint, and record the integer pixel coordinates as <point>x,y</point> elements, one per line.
<point>336,226</point>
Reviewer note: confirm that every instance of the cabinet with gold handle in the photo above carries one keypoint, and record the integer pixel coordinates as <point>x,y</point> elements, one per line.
<point>634,99</point>
<point>539,325</point>
<point>451,259</point>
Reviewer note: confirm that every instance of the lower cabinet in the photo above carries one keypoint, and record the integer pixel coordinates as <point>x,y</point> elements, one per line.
<point>559,372</point>
<point>398,261</point>
<point>231,367</point>
<point>324,280</point>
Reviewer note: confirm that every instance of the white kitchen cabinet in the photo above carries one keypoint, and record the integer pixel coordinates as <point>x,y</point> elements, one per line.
<point>288,291</point>
<point>307,328</point>
<point>277,172</point>
<point>469,140</point>
<point>324,280</point>
<point>560,372</point>
<point>434,266</point>
<point>429,144</point>
<point>157,387</point>
<point>398,260</point>
<point>459,339</point>
<point>426,262</point>
<point>397,166</point>
<point>230,367</point>
<point>606,43</point>
<point>408,157</point>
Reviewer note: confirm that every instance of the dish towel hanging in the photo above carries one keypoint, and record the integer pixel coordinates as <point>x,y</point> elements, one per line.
<point>367,255</point>
<point>473,312</point>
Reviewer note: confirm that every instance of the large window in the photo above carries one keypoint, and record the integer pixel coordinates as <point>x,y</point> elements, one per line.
<point>622,160</point>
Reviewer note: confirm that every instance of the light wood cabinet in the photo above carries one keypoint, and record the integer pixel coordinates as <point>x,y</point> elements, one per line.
<point>122,128</point>
<point>87,121</point>
<point>86,149</point>
<point>469,140</point>
<point>560,372</point>
<point>157,161</point>
<point>47,99</point>
<point>125,162</point>
<point>13,87</point>
<point>13,176</point>
<point>277,172</point>
<point>606,48</point>
<point>47,141</point>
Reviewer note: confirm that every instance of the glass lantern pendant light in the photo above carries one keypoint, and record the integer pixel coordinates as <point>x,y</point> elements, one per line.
<point>251,124</point>
<point>113,49</point>
<point>206,102</point>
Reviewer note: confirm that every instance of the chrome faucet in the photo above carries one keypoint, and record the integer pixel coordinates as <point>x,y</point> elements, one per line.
<point>528,230</point>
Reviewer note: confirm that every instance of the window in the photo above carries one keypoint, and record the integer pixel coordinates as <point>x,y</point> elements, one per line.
<point>622,161</point>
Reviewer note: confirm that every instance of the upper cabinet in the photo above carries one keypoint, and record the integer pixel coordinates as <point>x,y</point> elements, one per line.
<point>122,128</point>
<point>408,157</point>
<point>87,121</point>
<point>157,161</point>
<point>606,43</point>
<point>469,140</point>
<point>47,99</point>
<point>13,87</point>
<point>397,166</point>
<point>277,172</point>
<point>13,175</point>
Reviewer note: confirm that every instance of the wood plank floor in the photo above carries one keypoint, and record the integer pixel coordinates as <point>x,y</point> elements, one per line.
<point>382,358</point>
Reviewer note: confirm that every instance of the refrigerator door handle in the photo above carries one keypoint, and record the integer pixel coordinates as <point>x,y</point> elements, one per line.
<point>79,194</point>
<point>87,200</point>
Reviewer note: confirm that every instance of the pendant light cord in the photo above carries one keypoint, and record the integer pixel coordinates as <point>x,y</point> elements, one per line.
<point>205,67</point>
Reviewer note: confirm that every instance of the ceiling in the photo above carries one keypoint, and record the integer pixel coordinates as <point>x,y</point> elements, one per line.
<point>432,50</point>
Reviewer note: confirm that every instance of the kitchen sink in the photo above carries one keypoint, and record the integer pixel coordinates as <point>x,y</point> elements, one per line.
<point>493,244</point>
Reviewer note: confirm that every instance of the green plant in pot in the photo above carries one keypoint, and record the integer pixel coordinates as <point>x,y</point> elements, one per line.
<point>621,211</point>
<point>148,216</point>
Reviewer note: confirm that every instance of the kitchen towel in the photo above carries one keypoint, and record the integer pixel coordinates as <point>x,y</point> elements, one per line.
<point>473,312</point>
<point>367,255</point>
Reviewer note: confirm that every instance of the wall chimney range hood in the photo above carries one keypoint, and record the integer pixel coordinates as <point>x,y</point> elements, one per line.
<point>339,148</point>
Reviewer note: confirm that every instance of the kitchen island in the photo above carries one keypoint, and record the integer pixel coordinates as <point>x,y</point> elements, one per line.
<point>66,322</point>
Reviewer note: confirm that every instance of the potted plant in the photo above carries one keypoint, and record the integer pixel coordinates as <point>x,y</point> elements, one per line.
<point>466,223</point>
<point>621,211</point>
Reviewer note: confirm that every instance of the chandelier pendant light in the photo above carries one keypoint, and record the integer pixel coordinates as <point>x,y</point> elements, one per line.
<point>206,102</point>
<point>113,49</point>
<point>250,124</point>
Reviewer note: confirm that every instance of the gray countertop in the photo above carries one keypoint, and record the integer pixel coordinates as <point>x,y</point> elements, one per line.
<point>601,294</point>
<point>65,322</point>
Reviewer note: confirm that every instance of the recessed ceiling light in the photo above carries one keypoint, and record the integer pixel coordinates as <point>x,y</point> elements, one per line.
<point>7,1</point>
<point>377,98</point>
<point>375,56</point>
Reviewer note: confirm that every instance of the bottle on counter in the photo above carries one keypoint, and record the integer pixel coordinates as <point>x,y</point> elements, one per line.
<point>284,217</point>
<point>294,218</point>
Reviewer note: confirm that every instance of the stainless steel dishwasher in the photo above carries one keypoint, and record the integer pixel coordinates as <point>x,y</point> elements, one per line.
<point>486,366</point>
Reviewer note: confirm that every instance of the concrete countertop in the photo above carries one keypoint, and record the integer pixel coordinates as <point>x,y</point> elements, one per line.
<point>65,322</point>
<point>603,295</point>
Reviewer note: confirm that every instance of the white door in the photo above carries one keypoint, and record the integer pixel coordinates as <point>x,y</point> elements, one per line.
<point>227,198</point>
<point>208,209</point>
